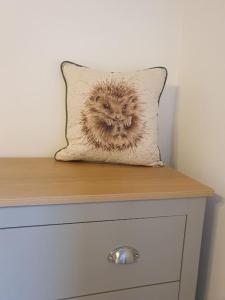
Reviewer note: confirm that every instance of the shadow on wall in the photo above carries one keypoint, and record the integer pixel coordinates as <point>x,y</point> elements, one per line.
<point>167,111</point>
<point>212,207</point>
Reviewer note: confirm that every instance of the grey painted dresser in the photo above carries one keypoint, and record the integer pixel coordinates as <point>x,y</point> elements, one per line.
<point>98,232</point>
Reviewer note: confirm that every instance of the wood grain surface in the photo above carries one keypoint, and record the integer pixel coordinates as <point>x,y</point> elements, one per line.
<point>43,181</point>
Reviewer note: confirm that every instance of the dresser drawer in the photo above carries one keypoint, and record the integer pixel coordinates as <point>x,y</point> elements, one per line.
<point>167,291</point>
<point>70,260</point>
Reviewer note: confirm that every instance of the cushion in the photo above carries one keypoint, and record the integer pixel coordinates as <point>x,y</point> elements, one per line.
<point>112,116</point>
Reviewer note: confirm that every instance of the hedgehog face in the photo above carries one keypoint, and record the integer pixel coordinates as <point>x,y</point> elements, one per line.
<point>114,108</point>
<point>111,119</point>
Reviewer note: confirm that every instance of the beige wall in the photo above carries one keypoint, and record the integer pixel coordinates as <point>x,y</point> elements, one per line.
<point>36,35</point>
<point>200,141</point>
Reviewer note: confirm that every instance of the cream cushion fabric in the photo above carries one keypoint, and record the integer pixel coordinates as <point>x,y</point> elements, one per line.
<point>112,116</point>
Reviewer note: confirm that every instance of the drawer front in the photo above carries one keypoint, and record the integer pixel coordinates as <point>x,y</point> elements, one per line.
<point>70,260</point>
<point>167,291</point>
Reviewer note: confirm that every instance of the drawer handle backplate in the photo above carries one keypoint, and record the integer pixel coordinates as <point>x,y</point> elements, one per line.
<point>123,255</point>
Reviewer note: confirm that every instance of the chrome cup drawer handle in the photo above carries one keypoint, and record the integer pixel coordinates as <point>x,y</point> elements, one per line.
<point>123,255</point>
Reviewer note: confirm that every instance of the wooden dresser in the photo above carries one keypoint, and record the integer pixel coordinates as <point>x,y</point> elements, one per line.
<point>98,231</point>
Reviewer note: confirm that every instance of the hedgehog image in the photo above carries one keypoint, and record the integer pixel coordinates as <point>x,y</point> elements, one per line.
<point>112,117</point>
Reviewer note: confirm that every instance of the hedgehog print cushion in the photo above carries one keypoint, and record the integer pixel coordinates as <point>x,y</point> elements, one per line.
<point>112,116</point>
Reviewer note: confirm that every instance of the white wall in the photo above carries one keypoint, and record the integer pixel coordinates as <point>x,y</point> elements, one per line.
<point>37,35</point>
<point>200,146</point>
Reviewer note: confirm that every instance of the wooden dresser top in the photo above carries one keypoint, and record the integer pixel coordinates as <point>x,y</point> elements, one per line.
<point>43,181</point>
